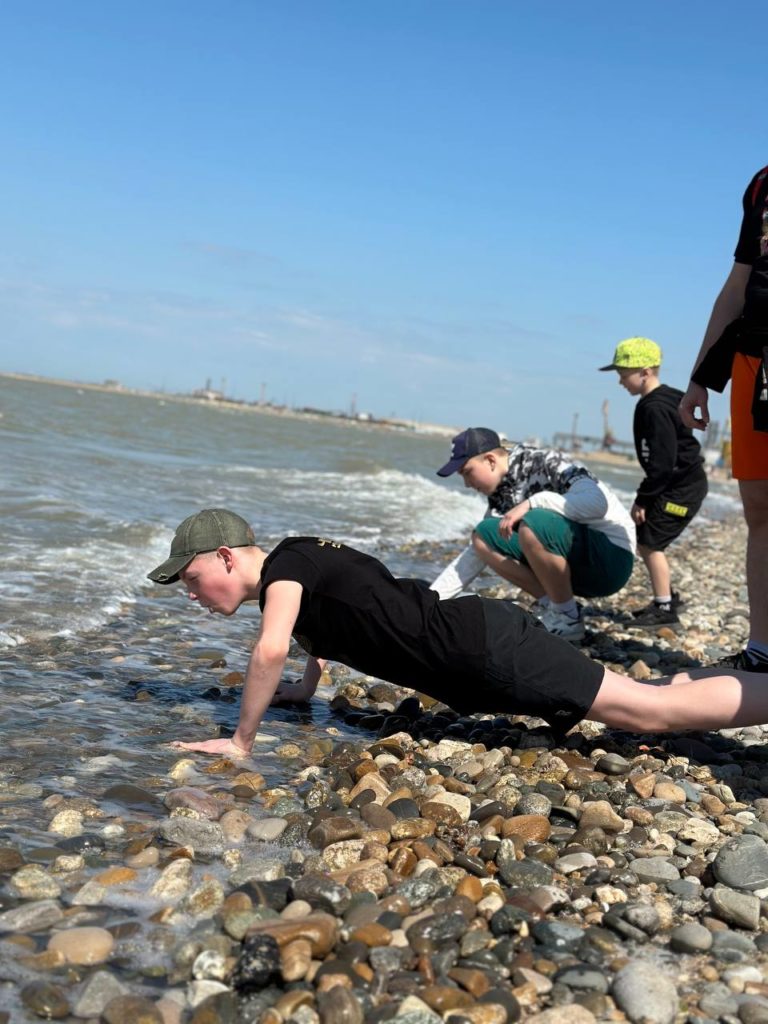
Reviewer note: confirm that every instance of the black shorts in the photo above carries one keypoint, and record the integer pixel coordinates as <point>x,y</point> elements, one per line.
<point>530,672</point>
<point>669,515</point>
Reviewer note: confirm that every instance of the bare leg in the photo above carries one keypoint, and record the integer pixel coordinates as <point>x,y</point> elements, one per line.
<point>658,569</point>
<point>754,495</point>
<point>712,700</point>
<point>552,571</point>
<point>508,568</point>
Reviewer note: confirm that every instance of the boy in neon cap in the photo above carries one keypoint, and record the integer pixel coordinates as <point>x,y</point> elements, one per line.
<point>675,484</point>
<point>474,654</point>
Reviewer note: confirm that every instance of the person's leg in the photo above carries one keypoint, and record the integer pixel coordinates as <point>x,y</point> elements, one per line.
<point>507,567</point>
<point>550,568</point>
<point>711,700</point>
<point>658,569</point>
<point>754,495</point>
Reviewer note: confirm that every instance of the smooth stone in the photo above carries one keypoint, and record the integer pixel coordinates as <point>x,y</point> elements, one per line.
<point>174,881</point>
<point>403,807</point>
<point>31,882</point>
<point>600,814</point>
<point>322,893</point>
<point>739,908</point>
<point>613,764</point>
<point>699,831</point>
<point>558,935</point>
<point>99,989</point>
<point>582,978</point>
<point>742,863</point>
<point>267,830</point>
<point>533,804</point>
<point>523,873</point>
<point>131,1009</point>
<point>571,862</point>
<point>335,830</point>
<point>654,869</point>
<point>320,929</point>
<point>645,994</point>
<point>460,804</point>
<point>133,796</point>
<point>198,800</point>
<point>644,916</point>
<point>690,938</point>
<point>338,1005</point>
<point>534,828</point>
<point>83,945</point>
<point>45,1000</point>
<point>31,917</point>
<point>204,837</point>
<point>732,947</point>
<point>431,933</point>
<point>570,1014</point>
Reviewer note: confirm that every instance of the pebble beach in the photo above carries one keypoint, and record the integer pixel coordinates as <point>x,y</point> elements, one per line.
<point>378,857</point>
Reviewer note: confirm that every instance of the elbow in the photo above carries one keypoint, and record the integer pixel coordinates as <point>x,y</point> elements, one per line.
<point>270,652</point>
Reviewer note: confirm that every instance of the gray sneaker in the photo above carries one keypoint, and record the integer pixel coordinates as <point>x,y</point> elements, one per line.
<point>559,624</point>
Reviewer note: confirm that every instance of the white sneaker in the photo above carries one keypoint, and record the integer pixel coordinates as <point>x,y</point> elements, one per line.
<point>539,607</point>
<point>559,624</point>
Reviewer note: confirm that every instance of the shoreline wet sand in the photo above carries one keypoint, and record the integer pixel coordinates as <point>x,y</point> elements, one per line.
<point>377,858</point>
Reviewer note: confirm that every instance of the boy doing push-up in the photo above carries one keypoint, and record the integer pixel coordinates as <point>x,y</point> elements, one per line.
<point>474,654</point>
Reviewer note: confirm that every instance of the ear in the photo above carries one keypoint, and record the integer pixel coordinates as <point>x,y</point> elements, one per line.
<point>227,556</point>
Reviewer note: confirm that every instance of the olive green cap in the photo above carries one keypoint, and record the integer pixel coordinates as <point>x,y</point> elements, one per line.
<point>204,531</point>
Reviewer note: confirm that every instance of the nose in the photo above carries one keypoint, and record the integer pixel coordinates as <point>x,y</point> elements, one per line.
<point>191,595</point>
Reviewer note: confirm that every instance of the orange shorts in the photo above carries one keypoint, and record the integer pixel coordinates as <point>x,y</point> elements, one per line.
<point>749,446</point>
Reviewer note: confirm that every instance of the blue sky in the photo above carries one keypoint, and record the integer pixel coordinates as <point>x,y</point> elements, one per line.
<point>452,210</point>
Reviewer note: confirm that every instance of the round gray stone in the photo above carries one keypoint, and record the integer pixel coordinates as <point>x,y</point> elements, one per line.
<point>645,994</point>
<point>742,863</point>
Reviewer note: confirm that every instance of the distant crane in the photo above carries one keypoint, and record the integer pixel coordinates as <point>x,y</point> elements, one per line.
<point>609,440</point>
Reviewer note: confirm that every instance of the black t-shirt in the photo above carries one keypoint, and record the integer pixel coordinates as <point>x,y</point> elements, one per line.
<point>668,452</point>
<point>752,248</point>
<point>353,610</point>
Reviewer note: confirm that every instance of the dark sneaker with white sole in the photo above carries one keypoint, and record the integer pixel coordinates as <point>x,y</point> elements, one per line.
<point>677,603</point>
<point>656,615</point>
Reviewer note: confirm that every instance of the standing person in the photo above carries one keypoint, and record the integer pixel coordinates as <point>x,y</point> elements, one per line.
<point>551,528</point>
<point>735,346</point>
<point>675,484</point>
<point>475,654</point>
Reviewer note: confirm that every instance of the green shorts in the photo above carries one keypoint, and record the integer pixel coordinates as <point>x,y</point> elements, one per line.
<point>598,566</point>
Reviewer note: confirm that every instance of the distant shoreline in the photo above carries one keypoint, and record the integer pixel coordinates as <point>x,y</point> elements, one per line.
<point>412,427</point>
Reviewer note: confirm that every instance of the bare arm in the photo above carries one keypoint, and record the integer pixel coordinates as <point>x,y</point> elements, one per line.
<point>296,691</point>
<point>265,667</point>
<point>728,306</point>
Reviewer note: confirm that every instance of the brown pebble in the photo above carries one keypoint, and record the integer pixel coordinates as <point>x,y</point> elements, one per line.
<point>131,1010</point>
<point>474,981</point>
<point>412,828</point>
<point>116,876</point>
<point>320,929</point>
<point>403,861</point>
<point>372,934</point>
<point>445,997</point>
<point>470,887</point>
<point>532,827</point>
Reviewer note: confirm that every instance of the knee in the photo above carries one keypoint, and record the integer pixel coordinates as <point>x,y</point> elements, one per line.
<point>479,545</point>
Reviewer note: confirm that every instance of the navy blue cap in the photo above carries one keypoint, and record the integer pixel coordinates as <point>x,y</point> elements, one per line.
<point>470,442</point>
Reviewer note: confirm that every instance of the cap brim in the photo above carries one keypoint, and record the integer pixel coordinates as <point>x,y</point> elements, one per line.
<point>611,366</point>
<point>169,571</point>
<point>451,467</point>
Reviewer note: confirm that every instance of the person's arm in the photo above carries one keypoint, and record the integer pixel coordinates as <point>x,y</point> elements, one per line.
<point>265,668</point>
<point>456,576</point>
<point>657,454</point>
<point>729,305</point>
<point>582,502</point>
<point>297,691</point>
